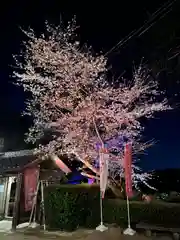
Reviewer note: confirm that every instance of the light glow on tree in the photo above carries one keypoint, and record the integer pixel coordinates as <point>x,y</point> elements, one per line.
<point>72,98</point>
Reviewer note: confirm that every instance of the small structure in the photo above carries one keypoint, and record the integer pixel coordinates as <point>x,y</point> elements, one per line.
<point>10,163</point>
<point>13,166</point>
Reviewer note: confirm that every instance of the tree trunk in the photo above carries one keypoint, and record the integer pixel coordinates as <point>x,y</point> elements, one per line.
<point>116,191</point>
<point>116,187</point>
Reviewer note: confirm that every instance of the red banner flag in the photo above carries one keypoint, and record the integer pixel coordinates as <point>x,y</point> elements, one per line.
<point>31,177</point>
<point>128,169</point>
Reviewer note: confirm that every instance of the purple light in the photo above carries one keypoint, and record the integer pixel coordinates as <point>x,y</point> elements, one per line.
<point>96,163</point>
<point>91,181</point>
<point>98,146</point>
<point>117,143</point>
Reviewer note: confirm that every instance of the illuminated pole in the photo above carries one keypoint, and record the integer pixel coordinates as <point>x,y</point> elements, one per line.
<point>103,165</point>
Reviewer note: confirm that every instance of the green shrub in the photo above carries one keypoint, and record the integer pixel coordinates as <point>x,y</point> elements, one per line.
<point>153,213</point>
<point>68,207</point>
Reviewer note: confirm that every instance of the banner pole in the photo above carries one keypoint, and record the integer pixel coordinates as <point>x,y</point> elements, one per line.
<point>101,209</point>
<point>128,212</point>
<point>101,227</point>
<point>42,205</point>
<point>34,207</point>
<point>129,230</point>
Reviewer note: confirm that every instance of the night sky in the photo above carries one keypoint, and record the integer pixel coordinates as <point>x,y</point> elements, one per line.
<point>102,25</point>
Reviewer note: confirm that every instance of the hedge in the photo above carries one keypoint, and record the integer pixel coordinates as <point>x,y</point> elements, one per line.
<point>68,207</point>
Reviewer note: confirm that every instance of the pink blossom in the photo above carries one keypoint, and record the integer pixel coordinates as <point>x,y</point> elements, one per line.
<point>70,95</point>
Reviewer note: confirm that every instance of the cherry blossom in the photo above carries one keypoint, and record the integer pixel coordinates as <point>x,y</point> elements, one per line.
<point>72,98</point>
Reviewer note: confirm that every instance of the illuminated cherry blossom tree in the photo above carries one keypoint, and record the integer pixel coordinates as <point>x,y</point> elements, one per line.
<point>72,98</point>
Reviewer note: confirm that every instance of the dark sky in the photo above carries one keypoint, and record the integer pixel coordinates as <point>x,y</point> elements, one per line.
<point>102,25</point>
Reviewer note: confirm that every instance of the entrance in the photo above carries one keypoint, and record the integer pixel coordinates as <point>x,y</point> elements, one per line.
<point>3,191</point>
<point>10,197</point>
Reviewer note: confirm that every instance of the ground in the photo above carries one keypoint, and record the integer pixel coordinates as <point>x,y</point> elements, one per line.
<point>35,232</point>
<point>114,234</point>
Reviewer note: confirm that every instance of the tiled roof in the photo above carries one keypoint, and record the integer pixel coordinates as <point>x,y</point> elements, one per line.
<point>15,160</point>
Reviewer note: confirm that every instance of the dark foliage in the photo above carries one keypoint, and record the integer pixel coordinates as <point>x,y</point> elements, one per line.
<point>71,206</point>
